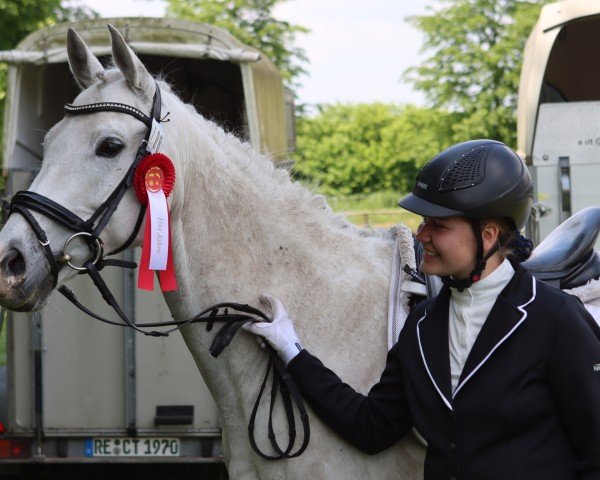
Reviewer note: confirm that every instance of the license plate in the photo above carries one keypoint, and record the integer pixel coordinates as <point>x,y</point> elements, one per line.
<point>132,447</point>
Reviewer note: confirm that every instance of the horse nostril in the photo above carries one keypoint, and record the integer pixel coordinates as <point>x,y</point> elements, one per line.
<point>13,264</point>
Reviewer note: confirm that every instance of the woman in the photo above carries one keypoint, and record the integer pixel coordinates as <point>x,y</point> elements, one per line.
<point>497,372</point>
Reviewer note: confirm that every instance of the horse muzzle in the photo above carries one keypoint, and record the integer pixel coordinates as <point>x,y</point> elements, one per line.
<point>25,278</point>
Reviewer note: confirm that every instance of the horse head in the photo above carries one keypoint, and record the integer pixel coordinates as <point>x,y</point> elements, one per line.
<point>86,156</point>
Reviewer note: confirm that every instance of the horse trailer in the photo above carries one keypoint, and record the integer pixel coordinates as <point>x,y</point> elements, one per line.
<point>558,125</point>
<point>78,391</point>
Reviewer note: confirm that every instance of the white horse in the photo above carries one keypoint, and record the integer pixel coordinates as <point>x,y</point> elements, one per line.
<point>240,228</point>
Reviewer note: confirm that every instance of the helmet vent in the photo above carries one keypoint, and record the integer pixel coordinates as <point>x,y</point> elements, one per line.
<point>467,171</point>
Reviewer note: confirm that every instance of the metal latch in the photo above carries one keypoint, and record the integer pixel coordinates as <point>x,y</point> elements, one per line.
<point>565,187</point>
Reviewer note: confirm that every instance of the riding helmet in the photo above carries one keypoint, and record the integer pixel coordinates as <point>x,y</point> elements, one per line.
<point>477,179</point>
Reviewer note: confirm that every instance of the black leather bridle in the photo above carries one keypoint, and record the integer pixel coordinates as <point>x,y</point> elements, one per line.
<point>89,230</point>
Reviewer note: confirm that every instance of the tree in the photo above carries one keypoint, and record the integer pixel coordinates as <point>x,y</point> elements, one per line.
<point>475,55</point>
<point>18,18</point>
<point>366,148</point>
<point>251,22</point>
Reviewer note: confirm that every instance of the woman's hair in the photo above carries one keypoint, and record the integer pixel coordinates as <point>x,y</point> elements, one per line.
<point>513,245</point>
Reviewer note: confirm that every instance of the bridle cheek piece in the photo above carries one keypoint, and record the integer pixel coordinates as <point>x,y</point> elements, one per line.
<point>89,231</point>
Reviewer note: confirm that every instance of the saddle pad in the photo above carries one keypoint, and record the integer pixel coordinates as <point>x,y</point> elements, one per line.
<point>589,294</point>
<point>401,284</point>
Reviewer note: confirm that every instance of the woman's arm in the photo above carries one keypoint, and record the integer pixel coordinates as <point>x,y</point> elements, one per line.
<point>373,422</point>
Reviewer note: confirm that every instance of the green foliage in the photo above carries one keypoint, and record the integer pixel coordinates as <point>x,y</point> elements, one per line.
<point>251,22</point>
<point>364,201</point>
<point>475,54</point>
<point>18,18</point>
<point>366,148</point>
<point>379,209</point>
<point>471,79</point>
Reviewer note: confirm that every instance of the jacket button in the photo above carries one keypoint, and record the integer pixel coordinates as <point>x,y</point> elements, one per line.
<point>452,447</point>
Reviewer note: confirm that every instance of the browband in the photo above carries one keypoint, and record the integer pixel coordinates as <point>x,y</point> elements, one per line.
<point>109,107</point>
<point>119,107</point>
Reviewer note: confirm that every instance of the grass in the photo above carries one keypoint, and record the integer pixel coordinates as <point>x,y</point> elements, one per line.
<point>378,210</point>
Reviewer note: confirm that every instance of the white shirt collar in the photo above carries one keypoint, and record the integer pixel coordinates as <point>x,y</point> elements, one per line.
<point>487,288</point>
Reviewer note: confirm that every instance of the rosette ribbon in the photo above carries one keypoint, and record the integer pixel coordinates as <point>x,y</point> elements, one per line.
<point>153,183</point>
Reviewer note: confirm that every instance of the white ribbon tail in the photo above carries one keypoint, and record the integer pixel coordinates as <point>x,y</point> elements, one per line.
<point>159,230</point>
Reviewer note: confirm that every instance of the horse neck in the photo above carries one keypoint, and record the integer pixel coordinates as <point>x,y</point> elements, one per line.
<point>242,228</point>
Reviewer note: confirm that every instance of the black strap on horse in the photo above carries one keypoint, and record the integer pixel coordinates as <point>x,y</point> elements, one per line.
<point>89,230</point>
<point>280,377</point>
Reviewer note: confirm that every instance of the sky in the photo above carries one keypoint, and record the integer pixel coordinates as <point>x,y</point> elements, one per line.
<point>357,50</point>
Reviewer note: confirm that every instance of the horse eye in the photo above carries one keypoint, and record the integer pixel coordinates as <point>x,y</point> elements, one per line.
<point>109,147</point>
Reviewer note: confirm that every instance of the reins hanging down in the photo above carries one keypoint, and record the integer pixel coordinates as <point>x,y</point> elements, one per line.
<point>89,230</point>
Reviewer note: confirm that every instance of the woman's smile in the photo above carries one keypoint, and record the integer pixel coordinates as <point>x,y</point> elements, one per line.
<point>449,246</point>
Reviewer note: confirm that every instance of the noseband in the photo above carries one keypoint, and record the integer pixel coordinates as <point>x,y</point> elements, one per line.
<point>89,231</point>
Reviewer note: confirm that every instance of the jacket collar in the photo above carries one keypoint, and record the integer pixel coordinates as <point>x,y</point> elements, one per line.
<point>507,314</point>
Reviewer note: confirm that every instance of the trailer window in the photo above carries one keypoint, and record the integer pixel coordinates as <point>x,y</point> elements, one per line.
<point>573,70</point>
<point>213,87</point>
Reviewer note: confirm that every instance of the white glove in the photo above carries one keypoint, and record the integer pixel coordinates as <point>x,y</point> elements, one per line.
<point>280,332</point>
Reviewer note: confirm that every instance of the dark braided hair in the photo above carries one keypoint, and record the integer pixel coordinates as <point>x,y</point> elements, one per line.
<point>516,247</point>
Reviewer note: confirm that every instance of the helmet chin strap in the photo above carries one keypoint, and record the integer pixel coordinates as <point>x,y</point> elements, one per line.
<point>480,264</point>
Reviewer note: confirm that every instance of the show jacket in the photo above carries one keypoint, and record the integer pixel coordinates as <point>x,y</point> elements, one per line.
<point>527,405</point>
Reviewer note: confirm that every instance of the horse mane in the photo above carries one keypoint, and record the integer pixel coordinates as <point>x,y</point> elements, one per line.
<point>275,179</point>
<point>281,177</point>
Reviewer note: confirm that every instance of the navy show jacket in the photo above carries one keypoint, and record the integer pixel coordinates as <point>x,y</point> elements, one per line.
<point>527,405</point>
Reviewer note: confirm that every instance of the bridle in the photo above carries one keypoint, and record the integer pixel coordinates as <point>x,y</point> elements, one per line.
<point>89,230</point>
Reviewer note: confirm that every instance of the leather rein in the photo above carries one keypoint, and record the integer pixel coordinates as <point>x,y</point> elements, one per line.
<point>89,231</point>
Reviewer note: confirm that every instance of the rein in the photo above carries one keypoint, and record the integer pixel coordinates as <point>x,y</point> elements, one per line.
<point>89,231</point>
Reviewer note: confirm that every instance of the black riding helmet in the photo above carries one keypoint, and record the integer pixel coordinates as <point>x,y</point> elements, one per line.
<point>477,179</point>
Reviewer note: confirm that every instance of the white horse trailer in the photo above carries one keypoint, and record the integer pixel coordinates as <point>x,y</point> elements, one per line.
<point>558,126</point>
<point>78,390</point>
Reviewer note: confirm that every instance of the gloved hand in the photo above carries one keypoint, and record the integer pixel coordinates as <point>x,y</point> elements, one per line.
<point>279,332</point>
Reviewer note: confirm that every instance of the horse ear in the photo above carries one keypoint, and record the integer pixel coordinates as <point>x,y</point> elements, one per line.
<point>85,66</point>
<point>130,65</point>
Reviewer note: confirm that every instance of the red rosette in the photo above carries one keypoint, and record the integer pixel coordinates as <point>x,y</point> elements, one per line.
<point>155,170</point>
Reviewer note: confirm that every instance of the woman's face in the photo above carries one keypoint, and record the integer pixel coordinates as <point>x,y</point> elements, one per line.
<point>450,248</point>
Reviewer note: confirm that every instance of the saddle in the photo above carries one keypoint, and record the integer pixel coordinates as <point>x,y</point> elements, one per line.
<point>566,258</point>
